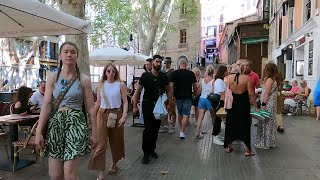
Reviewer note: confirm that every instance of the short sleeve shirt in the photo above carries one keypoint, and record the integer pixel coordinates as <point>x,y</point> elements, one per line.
<point>183,80</point>
<point>219,86</point>
<point>154,86</point>
<point>255,80</point>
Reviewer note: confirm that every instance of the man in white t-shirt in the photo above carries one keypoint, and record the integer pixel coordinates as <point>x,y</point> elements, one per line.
<point>37,97</point>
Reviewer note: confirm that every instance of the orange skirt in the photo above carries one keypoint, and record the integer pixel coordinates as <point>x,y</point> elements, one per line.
<point>115,136</point>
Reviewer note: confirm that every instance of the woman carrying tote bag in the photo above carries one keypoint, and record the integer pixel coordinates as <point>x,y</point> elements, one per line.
<point>112,108</point>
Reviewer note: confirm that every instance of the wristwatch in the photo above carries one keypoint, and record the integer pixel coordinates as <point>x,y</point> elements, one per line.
<point>263,104</point>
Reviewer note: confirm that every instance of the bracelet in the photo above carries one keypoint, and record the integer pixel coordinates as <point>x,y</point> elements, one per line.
<point>263,104</point>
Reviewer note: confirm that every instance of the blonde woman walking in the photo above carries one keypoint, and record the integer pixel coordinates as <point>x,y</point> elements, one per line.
<point>111,101</point>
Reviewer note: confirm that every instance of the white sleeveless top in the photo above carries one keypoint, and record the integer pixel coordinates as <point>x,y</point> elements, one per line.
<point>206,89</point>
<point>113,93</point>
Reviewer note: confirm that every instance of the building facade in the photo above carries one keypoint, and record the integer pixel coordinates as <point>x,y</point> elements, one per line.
<point>294,35</point>
<point>185,40</point>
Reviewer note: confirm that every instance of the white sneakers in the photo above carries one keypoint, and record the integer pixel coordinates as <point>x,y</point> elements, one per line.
<point>217,141</point>
<point>182,135</point>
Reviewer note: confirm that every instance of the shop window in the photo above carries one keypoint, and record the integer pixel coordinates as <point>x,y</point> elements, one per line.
<point>183,36</point>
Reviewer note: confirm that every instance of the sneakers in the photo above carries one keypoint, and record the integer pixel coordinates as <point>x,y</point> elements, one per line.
<point>171,130</point>
<point>154,155</point>
<point>217,141</point>
<point>145,159</point>
<point>163,129</point>
<point>182,135</point>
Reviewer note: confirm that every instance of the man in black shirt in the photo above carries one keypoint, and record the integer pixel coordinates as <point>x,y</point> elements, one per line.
<point>154,83</point>
<point>183,80</point>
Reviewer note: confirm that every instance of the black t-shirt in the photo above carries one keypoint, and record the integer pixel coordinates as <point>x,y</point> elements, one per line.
<point>183,80</point>
<point>168,73</point>
<point>153,85</point>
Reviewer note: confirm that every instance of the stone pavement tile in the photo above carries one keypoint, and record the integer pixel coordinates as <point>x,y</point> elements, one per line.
<point>296,157</point>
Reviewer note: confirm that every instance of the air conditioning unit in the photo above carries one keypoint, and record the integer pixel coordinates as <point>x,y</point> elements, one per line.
<point>316,12</point>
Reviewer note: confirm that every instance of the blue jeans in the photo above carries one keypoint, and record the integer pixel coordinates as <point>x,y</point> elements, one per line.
<point>184,106</point>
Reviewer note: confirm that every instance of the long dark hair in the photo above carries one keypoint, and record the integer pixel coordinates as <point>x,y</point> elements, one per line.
<point>23,95</point>
<point>221,72</point>
<point>271,71</point>
<point>61,64</point>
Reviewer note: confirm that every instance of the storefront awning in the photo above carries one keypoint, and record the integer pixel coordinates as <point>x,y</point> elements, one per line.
<point>255,40</point>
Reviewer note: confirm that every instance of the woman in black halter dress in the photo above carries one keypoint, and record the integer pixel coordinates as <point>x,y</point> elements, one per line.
<point>238,122</point>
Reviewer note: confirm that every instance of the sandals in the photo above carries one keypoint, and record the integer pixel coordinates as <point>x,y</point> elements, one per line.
<point>249,153</point>
<point>112,170</point>
<point>229,149</point>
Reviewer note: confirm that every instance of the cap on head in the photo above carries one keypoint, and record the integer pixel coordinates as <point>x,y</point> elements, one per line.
<point>167,59</point>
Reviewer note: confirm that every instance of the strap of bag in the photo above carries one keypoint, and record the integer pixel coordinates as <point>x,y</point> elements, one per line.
<point>57,102</point>
<point>103,94</point>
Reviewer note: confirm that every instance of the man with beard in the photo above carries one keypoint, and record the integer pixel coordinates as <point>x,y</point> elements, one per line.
<point>247,69</point>
<point>155,83</point>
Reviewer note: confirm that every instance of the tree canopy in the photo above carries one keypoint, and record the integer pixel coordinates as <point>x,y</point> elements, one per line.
<point>147,20</point>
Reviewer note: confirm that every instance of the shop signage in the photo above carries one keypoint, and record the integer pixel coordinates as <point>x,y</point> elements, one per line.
<point>255,40</point>
<point>310,58</point>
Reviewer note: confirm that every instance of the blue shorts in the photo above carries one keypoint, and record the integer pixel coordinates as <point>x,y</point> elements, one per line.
<point>184,106</point>
<point>204,103</point>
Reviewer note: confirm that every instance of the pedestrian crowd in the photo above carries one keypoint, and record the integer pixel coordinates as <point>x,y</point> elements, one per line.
<point>72,125</point>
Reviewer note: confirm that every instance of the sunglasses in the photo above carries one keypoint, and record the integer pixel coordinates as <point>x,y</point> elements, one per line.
<point>111,71</point>
<point>64,85</point>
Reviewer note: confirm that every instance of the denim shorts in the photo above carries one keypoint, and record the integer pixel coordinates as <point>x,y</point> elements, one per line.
<point>204,103</point>
<point>184,106</point>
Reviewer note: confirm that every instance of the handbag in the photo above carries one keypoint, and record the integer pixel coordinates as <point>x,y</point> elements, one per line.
<point>112,114</point>
<point>228,98</point>
<point>215,100</point>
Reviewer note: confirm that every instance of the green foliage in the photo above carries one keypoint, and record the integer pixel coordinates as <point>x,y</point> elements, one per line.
<point>120,18</point>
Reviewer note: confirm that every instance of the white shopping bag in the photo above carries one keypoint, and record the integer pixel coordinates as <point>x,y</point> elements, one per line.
<point>160,112</point>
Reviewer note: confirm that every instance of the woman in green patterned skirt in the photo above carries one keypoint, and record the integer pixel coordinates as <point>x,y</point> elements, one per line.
<point>67,135</point>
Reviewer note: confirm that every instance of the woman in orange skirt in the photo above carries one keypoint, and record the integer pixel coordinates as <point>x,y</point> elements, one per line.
<point>112,108</point>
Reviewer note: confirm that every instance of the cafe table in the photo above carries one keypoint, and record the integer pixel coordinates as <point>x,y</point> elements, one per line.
<point>13,120</point>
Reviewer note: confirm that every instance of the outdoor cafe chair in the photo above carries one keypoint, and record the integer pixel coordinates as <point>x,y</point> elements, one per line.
<point>27,143</point>
<point>25,129</point>
<point>3,140</point>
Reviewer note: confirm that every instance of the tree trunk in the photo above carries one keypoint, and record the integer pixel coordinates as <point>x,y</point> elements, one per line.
<point>77,8</point>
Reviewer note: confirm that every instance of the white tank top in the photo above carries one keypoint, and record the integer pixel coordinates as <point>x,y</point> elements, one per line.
<point>206,89</point>
<point>113,93</point>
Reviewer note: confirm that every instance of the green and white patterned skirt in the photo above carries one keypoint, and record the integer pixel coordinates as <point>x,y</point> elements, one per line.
<point>67,135</point>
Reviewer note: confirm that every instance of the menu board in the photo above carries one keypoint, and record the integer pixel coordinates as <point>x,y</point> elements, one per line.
<point>310,58</point>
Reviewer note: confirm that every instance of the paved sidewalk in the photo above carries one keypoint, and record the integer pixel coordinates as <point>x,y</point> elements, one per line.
<point>296,157</point>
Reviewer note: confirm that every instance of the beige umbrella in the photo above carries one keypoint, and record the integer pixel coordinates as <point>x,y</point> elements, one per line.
<point>116,55</point>
<point>21,18</point>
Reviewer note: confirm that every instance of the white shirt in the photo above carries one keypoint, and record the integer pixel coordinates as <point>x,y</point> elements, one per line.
<point>206,88</point>
<point>113,95</point>
<point>37,98</point>
<point>219,86</point>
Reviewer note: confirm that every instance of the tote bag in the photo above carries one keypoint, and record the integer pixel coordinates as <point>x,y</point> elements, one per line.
<point>228,100</point>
